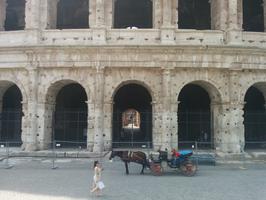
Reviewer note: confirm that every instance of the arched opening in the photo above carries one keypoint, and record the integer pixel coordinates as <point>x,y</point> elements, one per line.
<point>70,121</point>
<point>15,15</point>
<point>73,14</point>
<point>194,14</point>
<point>11,115</point>
<point>253,17</point>
<point>254,119</point>
<point>194,116</point>
<point>133,13</point>
<point>132,117</point>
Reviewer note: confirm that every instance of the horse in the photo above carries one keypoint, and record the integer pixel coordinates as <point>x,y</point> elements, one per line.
<point>131,156</point>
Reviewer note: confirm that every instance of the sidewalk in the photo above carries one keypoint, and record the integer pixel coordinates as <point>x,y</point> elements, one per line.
<point>33,178</point>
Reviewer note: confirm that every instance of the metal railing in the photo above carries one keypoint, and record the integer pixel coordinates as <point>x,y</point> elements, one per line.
<point>204,152</point>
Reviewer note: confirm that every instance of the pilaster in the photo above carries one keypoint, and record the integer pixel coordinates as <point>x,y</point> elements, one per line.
<point>264,12</point>
<point>45,123</point>
<point>230,131</point>
<point>234,34</point>
<point>100,9</point>
<point>109,13</point>
<point>167,28</point>
<point>32,14</point>
<point>91,122</point>
<point>29,132</point>
<point>157,14</point>
<point>219,10</point>
<point>233,15</point>
<point>98,110</point>
<point>107,130</point>
<point>49,14</point>
<point>157,125</point>
<point>169,129</point>
<point>2,14</point>
<point>99,31</point>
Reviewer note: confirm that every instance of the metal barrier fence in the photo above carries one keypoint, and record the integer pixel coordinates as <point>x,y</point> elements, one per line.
<point>204,152</point>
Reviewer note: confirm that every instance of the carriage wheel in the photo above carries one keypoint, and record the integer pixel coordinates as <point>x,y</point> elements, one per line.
<point>188,168</point>
<point>156,169</point>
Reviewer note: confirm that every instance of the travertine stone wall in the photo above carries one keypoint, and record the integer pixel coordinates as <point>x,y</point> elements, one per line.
<point>163,60</point>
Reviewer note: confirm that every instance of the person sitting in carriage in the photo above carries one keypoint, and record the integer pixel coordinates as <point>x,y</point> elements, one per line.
<point>175,156</point>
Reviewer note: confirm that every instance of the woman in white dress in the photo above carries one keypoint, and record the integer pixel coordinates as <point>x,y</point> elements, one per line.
<point>97,183</point>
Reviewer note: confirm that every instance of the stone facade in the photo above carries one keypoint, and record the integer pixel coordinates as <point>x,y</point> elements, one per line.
<point>40,60</point>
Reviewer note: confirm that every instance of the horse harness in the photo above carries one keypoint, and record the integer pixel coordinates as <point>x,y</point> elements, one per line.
<point>132,154</point>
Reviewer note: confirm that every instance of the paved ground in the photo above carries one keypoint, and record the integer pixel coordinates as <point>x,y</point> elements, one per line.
<point>34,179</point>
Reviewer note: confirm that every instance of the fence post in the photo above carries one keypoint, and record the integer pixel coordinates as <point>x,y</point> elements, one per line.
<point>197,156</point>
<point>54,156</point>
<point>7,166</point>
<point>242,155</point>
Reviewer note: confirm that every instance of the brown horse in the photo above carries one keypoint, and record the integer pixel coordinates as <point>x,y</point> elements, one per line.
<point>131,156</point>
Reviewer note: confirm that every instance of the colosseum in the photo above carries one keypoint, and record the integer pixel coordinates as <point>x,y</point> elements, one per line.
<point>128,73</point>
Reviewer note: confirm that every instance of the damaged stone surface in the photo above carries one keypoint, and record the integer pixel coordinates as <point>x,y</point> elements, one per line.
<point>41,60</point>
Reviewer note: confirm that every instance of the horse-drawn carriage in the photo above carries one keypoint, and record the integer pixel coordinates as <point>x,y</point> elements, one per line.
<point>179,160</point>
<point>158,162</point>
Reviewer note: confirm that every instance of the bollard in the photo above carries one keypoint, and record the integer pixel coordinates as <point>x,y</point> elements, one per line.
<point>196,150</point>
<point>54,157</point>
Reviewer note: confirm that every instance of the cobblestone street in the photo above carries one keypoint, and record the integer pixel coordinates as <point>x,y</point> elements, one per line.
<point>34,179</point>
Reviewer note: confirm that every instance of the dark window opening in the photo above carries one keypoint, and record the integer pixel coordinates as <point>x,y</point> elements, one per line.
<point>132,106</point>
<point>194,14</point>
<point>253,17</point>
<point>254,118</point>
<point>70,123</point>
<point>133,13</point>
<point>15,15</point>
<point>11,115</point>
<point>194,120</point>
<point>72,14</point>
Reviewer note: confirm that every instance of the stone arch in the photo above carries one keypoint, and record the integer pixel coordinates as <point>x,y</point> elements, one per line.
<point>133,13</point>
<point>206,119</point>
<point>132,96</point>
<point>49,99</point>
<point>255,115</point>
<point>139,82</point>
<point>211,87</point>
<point>11,111</point>
<point>51,89</point>
<point>6,83</point>
<point>259,84</point>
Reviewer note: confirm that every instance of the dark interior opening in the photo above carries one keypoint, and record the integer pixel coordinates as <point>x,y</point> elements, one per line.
<point>15,15</point>
<point>254,118</point>
<point>11,115</point>
<point>70,124</point>
<point>72,14</point>
<point>194,14</point>
<point>133,13</point>
<point>194,118</point>
<point>253,17</point>
<point>135,97</point>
